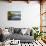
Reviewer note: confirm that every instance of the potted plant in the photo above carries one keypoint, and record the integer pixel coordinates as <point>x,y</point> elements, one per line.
<point>37,33</point>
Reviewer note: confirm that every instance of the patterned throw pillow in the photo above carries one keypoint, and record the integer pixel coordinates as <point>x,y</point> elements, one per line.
<point>17,30</point>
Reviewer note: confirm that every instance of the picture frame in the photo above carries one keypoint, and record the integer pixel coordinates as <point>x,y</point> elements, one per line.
<point>14,15</point>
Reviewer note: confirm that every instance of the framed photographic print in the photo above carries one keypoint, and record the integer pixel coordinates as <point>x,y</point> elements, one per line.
<point>14,15</point>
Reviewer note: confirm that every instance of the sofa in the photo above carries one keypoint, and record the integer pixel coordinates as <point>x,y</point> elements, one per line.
<point>22,38</point>
<point>18,35</point>
<point>22,34</point>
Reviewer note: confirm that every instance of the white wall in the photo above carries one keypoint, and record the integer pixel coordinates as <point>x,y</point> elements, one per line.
<point>30,14</point>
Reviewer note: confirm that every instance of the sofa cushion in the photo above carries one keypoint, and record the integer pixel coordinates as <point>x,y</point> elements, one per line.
<point>17,30</point>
